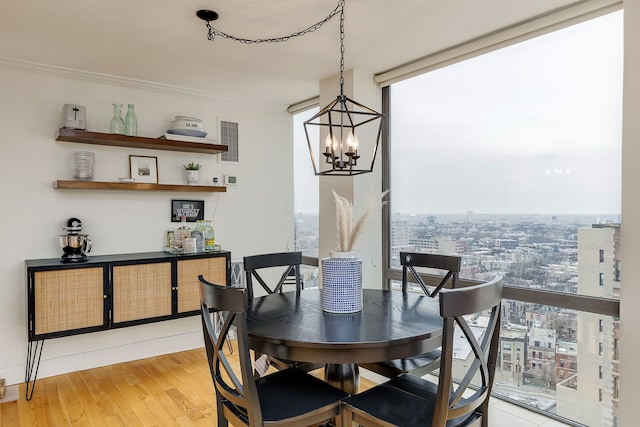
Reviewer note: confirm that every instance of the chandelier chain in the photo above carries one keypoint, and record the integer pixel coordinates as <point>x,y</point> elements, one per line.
<point>342,50</point>
<point>213,32</point>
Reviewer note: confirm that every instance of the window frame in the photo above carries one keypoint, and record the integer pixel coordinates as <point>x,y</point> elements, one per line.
<point>584,303</point>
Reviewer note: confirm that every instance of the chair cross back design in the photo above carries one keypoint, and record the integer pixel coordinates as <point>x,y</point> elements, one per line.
<point>411,260</point>
<point>410,401</point>
<point>290,397</point>
<point>427,362</point>
<point>290,261</point>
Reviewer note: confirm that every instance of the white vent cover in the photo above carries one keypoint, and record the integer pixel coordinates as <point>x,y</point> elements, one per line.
<point>228,135</point>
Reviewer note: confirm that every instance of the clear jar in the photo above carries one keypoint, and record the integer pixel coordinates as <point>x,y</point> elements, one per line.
<point>130,122</point>
<point>183,232</point>
<point>117,124</point>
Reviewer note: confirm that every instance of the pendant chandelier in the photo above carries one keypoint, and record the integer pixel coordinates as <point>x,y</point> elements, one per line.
<point>339,123</point>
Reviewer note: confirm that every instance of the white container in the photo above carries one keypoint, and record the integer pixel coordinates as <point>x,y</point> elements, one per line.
<point>341,283</point>
<point>189,245</point>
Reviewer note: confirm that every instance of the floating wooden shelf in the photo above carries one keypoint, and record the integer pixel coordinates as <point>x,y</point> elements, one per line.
<point>115,140</point>
<point>128,186</point>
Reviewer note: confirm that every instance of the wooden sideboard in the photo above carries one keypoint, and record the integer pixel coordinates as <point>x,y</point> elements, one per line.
<point>113,291</point>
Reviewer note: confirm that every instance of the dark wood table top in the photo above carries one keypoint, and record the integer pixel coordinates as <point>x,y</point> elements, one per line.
<point>391,325</point>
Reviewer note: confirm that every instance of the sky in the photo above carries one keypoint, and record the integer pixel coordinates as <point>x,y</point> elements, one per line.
<point>530,128</point>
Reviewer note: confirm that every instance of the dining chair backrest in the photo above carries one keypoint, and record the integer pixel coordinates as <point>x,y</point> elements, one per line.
<point>411,260</point>
<point>456,306</point>
<point>290,261</point>
<point>409,400</point>
<point>289,397</point>
<point>237,396</point>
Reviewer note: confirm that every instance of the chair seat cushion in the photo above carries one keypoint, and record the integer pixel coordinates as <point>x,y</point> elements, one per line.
<point>394,405</point>
<point>415,385</point>
<point>293,392</point>
<point>405,401</point>
<point>416,362</point>
<point>420,365</point>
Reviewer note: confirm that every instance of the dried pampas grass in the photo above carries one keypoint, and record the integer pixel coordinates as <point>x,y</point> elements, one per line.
<point>348,231</point>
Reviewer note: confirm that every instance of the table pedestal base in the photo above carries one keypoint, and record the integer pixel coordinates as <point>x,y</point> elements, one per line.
<point>345,376</point>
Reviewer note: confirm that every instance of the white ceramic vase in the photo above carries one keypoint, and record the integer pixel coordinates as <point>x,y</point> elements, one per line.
<point>192,177</point>
<point>342,283</point>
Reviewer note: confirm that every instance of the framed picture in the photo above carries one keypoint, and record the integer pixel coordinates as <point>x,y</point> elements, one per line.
<point>144,169</point>
<point>192,209</point>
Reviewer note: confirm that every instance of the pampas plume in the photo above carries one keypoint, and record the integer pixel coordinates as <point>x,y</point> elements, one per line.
<point>348,231</point>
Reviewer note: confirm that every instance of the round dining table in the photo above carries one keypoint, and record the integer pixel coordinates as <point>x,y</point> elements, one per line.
<point>391,325</point>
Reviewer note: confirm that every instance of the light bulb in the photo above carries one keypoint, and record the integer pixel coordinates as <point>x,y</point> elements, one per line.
<point>352,142</point>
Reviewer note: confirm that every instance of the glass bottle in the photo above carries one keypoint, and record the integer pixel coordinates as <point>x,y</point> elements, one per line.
<point>117,124</point>
<point>198,233</point>
<point>130,122</point>
<point>209,236</point>
<point>169,241</point>
<point>183,232</point>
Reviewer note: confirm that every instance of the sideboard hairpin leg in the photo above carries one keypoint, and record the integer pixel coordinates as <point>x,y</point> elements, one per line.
<point>33,362</point>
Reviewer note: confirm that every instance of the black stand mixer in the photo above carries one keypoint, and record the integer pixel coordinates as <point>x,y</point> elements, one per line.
<point>74,244</point>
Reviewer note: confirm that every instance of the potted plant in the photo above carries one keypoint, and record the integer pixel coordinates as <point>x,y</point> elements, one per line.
<point>192,172</point>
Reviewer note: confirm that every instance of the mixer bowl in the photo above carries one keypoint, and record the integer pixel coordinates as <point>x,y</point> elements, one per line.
<point>75,243</point>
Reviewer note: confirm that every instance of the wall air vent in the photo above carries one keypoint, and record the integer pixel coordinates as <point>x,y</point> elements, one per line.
<point>228,135</point>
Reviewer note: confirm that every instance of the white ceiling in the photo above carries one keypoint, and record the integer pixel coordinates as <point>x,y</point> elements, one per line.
<point>163,41</point>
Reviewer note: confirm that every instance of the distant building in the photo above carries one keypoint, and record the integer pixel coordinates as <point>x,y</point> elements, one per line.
<point>541,356</point>
<point>540,317</point>
<point>447,246</point>
<point>513,351</point>
<point>427,246</point>
<point>592,398</point>
<point>566,360</point>
<point>400,235</point>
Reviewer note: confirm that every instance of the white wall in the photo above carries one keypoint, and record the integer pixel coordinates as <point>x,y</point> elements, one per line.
<point>254,217</point>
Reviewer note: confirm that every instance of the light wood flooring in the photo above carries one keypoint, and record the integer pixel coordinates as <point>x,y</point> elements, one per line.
<point>163,391</point>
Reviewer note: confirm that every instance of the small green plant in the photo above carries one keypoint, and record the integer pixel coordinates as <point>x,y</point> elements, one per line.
<point>192,166</point>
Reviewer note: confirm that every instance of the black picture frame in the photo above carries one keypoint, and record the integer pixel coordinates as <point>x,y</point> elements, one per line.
<point>193,209</point>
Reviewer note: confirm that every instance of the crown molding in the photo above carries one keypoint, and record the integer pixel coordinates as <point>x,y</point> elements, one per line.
<point>72,73</point>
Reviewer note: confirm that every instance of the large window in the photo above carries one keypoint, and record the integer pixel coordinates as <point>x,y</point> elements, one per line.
<point>512,160</point>
<point>305,199</point>
<point>305,190</point>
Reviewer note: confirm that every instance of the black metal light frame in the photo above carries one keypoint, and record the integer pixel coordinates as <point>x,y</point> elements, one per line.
<point>339,120</point>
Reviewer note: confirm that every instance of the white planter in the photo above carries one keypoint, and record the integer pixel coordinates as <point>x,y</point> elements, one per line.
<point>192,177</point>
<point>342,283</point>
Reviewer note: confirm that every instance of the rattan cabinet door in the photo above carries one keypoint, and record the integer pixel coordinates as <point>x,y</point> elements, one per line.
<point>141,291</point>
<point>212,269</point>
<point>65,300</point>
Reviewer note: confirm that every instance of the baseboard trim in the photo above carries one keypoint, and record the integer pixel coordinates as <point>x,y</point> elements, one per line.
<point>50,367</point>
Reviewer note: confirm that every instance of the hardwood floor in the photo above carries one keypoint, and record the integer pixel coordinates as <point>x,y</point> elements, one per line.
<point>169,390</point>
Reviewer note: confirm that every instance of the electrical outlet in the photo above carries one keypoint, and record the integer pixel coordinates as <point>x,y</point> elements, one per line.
<point>3,388</point>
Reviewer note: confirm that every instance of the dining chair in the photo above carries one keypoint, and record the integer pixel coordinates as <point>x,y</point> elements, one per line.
<point>258,268</point>
<point>427,362</point>
<point>289,397</point>
<point>410,401</point>
<point>256,265</point>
